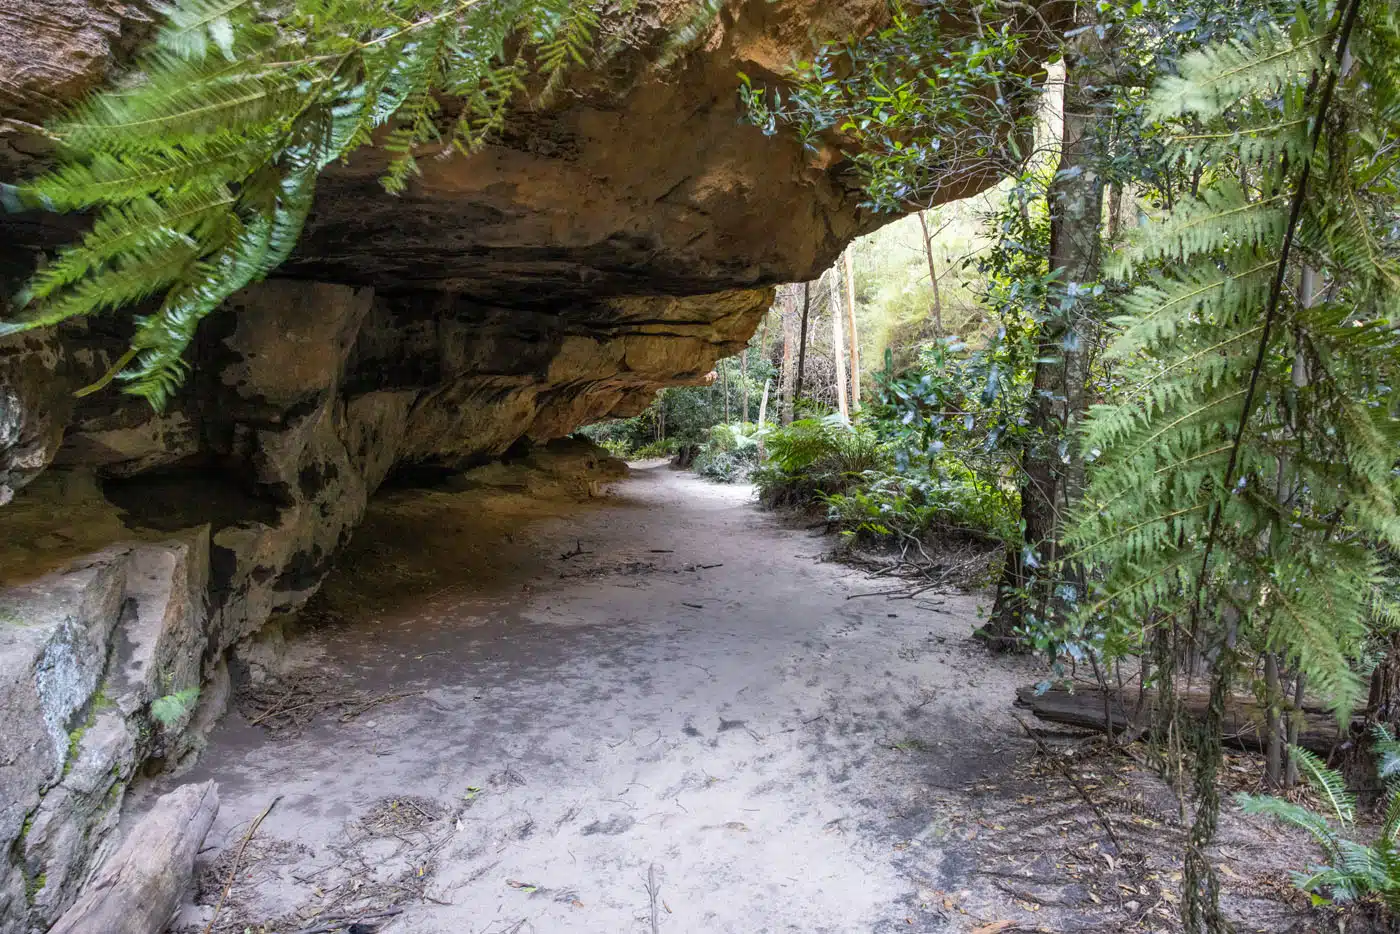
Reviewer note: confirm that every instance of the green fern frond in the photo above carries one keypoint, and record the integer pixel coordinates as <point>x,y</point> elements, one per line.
<point>1328,783</point>
<point>202,169</point>
<point>1387,752</point>
<point>136,233</point>
<point>194,25</point>
<point>1224,217</point>
<point>1156,311</point>
<point>114,178</point>
<point>181,100</point>
<point>1298,816</point>
<point>1220,76</point>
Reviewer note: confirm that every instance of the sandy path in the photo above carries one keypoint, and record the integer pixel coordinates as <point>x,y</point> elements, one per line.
<point>772,755</point>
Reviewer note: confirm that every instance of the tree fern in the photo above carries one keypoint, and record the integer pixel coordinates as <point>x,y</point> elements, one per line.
<point>1251,460</point>
<point>202,170</point>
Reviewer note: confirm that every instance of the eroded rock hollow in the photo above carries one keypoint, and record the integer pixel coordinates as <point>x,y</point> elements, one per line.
<point>621,240</point>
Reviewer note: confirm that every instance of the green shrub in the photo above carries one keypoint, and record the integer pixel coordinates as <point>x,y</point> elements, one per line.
<point>615,446</point>
<point>730,452</point>
<point>914,505</point>
<point>663,448</point>
<point>816,457</point>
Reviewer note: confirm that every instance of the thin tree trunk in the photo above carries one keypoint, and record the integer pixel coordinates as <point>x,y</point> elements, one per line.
<point>1295,722</point>
<point>745,377</point>
<point>932,278</point>
<point>1115,211</point>
<point>1273,722</point>
<point>763,404</point>
<point>786,380</point>
<point>724,388</point>
<point>802,341</point>
<point>837,351</point>
<point>853,343</point>
<point>1059,389</point>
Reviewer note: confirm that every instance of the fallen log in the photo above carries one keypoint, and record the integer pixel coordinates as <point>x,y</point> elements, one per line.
<point>1244,717</point>
<point>138,887</point>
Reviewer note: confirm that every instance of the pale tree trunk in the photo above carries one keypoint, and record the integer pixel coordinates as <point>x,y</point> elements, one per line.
<point>1059,389</point>
<point>853,339</point>
<point>837,351</point>
<point>1295,720</point>
<point>1308,293</point>
<point>787,306</point>
<point>745,417</point>
<point>932,278</point>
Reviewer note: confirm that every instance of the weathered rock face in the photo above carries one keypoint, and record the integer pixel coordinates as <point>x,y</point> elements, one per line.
<point>618,241</point>
<point>83,654</point>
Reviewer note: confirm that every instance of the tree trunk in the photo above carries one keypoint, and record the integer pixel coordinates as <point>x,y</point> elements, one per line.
<point>932,278</point>
<point>786,380</point>
<point>802,342</point>
<point>1273,722</point>
<point>1295,723</point>
<point>837,351</point>
<point>724,388</point>
<point>1383,702</point>
<point>853,342</point>
<point>1051,467</point>
<point>745,377</point>
<point>1115,211</point>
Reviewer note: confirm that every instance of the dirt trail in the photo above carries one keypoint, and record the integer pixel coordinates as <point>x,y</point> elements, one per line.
<point>687,727</point>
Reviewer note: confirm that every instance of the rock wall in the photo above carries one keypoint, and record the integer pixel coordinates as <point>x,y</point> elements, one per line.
<point>622,239</point>
<point>154,543</point>
<point>83,654</point>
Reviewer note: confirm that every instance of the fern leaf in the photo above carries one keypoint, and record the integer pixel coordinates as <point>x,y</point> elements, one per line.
<point>1328,783</point>
<point>1217,77</point>
<point>1297,815</point>
<point>1223,217</point>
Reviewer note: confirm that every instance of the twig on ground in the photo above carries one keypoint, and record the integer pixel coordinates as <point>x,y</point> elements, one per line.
<point>278,709</point>
<point>328,925</point>
<point>375,702</point>
<point>578,550</point>
<point>876,593</point>
<point>653,891</point>
<point>1078,786</point>
<point>238,858</point>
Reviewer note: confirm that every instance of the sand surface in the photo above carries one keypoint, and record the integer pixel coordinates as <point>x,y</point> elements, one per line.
<point>654,712</point>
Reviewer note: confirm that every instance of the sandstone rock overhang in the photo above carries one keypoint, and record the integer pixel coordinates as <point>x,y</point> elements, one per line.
<point>609,213</point>
<point>640,177</point>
